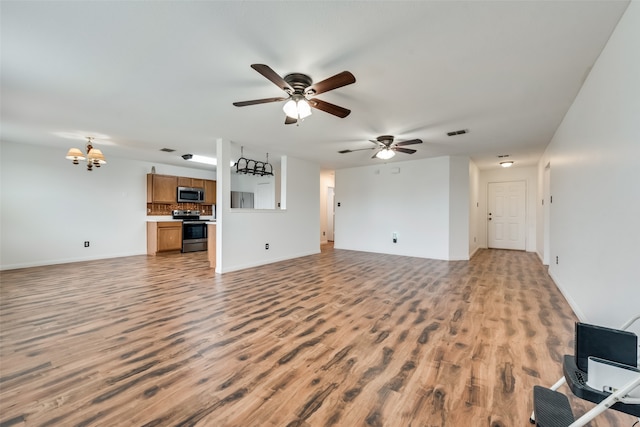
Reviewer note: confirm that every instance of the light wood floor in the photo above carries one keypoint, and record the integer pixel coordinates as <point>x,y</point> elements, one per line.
<point>341,338</point>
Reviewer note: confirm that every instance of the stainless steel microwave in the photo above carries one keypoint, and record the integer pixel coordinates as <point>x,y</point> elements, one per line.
<point>190,195</point>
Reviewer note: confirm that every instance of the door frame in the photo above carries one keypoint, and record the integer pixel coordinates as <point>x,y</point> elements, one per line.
<point>546,215</point>
<point>331,214</point>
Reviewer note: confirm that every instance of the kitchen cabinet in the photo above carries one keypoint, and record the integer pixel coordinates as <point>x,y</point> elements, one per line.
<point>209,192</point>
<point>184,181</point>
<point>161,188</point>
<point>164,236</point>
<point>162,194</point>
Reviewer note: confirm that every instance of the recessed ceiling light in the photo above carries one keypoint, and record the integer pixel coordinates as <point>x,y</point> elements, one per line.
<point>200,159</point>
<point>507,164</point>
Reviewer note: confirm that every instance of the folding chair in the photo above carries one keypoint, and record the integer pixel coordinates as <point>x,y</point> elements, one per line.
<point>552,409</point>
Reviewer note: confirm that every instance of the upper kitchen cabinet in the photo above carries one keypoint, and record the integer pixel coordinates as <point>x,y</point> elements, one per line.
<point>184,181</point>
<point>161,188</point>
<point>162,194</point>
<point>209,192</point>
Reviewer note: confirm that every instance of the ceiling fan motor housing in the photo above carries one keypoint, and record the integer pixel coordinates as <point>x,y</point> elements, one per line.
<point>299,82</point>
<point>385,140</point>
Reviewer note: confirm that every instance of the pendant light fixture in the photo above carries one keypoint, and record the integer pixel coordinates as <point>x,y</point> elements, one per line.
<point>94,156</point>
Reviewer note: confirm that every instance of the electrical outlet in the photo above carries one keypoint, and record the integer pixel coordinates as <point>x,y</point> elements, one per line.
<point>556,259</point>
<point>86,243</point>
<point>266,246</point>
<point>395,237</point>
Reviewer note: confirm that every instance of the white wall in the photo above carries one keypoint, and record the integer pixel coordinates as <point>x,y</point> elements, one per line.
<point>411,198</point>
<point>514,173</point>
<point>459,208</point>
<point>50,206</point>
<point>595,184</point>
<point>290,232</point>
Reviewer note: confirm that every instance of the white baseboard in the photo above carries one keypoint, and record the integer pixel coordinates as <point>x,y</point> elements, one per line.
<point>474,252</point>
<point>229,269</point>
<point>574,307</point>
<point>67,260</point>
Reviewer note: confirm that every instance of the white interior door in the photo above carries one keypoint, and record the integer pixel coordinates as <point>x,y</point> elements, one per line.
<point>506,216</point>
<point>330,213</point>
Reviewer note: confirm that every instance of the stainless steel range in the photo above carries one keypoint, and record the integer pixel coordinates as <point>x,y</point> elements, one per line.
<point>194,230</point>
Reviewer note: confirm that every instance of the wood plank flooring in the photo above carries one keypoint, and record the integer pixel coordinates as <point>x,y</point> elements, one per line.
<point>341,338</point>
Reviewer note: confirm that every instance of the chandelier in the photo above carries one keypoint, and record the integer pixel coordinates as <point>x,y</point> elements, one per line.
<point>94,156</point>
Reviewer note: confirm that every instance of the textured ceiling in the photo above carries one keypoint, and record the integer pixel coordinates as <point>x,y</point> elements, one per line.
<point>150,75</point>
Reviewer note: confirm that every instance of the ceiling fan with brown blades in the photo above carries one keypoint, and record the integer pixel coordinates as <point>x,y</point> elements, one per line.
<point>301,91</point>
<point>387,148</point>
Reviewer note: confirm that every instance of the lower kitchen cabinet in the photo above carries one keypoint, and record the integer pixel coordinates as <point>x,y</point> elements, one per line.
<point>164,236</point>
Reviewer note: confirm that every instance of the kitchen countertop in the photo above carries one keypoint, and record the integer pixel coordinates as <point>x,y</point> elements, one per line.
<point>169,218</point>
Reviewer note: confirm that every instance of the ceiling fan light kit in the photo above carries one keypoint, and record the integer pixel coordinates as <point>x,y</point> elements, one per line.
<point>297,107</point>
<point>385,154</point>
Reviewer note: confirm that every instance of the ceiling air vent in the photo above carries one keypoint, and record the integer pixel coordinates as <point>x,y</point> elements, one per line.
<point>458,132</point>
<point>167,150</point>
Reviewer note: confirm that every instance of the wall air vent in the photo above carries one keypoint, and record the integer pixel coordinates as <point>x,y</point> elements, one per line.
<point>458,132</point>
<point>167,150</point>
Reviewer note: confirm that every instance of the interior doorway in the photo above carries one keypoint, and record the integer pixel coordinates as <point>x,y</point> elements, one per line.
<point>330,213</point>
<point>506,215</point>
